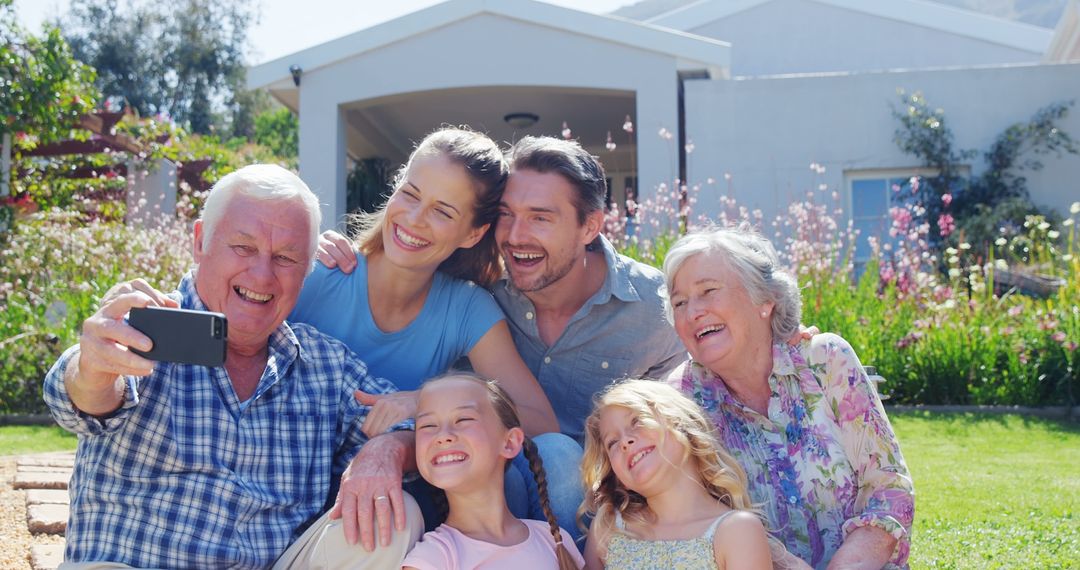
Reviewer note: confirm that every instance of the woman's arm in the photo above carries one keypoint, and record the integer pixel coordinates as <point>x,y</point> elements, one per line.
<point>495,356</point>
<point>740,543</point>
<point>866,547</point>
<point>885,504</point>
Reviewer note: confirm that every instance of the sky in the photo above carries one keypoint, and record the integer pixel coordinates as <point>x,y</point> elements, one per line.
<point>287,26</point>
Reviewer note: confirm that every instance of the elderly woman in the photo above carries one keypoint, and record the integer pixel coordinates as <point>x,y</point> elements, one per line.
<point>804,421</point>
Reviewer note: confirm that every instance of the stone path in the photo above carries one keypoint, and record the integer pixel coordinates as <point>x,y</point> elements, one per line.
<point>44,480</point>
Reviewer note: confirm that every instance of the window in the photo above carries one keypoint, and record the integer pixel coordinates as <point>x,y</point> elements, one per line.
<point>872,193</point>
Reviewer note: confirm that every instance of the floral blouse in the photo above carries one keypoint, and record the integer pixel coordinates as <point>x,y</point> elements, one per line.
<point>824,461</point>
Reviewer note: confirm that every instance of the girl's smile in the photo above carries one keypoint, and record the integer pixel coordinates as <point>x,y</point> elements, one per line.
<point>460,442</point>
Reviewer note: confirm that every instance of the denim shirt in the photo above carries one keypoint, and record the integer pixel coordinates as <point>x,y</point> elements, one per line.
<point>620,331</point>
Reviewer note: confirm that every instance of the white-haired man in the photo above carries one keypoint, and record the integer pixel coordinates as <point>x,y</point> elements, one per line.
<point>184,466</point>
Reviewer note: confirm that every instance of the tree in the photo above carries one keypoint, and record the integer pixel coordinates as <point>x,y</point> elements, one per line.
<point>999,195</point>
<point>278,130</point>
<point>43,89</point>
<point>182,59</point>
<point>43,92</point>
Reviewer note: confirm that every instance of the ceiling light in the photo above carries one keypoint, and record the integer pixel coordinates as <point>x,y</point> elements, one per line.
<point>521,120</point>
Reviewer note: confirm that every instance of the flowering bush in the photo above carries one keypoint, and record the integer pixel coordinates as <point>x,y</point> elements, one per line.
<point>56,267</point>
<point>934,323</point>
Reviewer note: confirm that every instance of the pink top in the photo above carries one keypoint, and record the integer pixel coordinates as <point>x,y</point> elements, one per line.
<point>445,548</point>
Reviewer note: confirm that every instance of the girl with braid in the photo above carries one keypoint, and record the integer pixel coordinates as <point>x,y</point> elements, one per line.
<point>467,429</point>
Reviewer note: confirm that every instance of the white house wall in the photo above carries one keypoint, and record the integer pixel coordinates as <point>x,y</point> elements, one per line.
<point>797,36</point>
<point>766,132</point>
<point>482,50</point>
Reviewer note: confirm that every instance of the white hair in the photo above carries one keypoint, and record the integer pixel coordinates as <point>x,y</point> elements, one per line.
<point>755,263</point>
<point>268,182</point>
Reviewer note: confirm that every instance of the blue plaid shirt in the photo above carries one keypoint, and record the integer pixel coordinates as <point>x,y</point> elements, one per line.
<point>185,475</point>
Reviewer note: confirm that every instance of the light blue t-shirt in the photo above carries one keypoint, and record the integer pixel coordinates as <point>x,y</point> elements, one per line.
<point>456,314</point>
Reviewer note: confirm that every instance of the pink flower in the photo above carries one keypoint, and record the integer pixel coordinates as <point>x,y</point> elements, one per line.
<point>946,199</point>
<point>946,224</point>
<point>1015,310</point>
<point>1058,337</point>
<point>887,273</point>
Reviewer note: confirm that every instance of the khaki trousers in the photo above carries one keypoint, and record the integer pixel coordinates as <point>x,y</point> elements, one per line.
<point>323,547</point>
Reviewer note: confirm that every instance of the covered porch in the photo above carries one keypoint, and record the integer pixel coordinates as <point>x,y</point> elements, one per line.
<point>497,67</point>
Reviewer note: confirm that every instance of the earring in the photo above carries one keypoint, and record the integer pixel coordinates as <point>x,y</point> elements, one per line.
<point>764,314</point>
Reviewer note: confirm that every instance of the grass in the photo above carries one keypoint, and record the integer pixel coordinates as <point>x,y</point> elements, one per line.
<point>17,440</point>
<point>993,491</point>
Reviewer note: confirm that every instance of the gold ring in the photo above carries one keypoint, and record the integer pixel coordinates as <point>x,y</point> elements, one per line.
<point>380,497</point>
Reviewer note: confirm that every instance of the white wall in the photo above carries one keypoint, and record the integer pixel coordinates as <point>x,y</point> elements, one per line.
<point>799,36</point>
<point>478,51</point>
<point>766,132</point>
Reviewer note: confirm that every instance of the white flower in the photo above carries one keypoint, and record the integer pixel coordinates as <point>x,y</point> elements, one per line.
<point>951,251</point>
<point>1068,222</point>
<point>954,272</point>
<point>1075,208</point>
<point>1053,234</point>
<point>965,245</point>
<point>954,260</point>
<point>1000,242</point>
<point>1000,264</point>
<point>1044,226</point>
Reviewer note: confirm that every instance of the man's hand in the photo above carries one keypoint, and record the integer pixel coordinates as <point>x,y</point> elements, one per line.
<point>386,410</point>
<point>157,298</point>
<point>93,383</point>
<point>804,333</point>
<point>335,250</point>
<point>371,485</point>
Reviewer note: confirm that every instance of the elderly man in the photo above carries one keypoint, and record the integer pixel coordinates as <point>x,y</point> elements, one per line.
<point>184,466</point>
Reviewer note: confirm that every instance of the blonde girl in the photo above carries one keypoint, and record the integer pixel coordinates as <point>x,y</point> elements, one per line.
<point>661,491</point>
<point>467,429</point>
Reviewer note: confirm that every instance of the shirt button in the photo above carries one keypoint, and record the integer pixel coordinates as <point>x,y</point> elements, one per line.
<point>604,365</point>
<point>547,360</point>
<point>529,316</point>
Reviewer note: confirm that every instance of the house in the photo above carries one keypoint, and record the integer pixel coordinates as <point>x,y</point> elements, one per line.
<point>755,90</point>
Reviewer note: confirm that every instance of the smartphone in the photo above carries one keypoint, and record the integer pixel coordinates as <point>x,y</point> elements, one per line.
<point>182,335</point>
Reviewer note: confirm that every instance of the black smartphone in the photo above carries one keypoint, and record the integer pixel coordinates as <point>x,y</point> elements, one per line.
<point>182,335</point>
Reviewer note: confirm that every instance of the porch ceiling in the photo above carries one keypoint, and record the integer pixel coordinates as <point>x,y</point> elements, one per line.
<point>390,126</point>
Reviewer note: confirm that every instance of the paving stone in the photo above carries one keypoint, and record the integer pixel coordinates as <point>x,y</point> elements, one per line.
<point>46,556</point>
<point>47,497</point>
<point>42,469</point>
<point>41,480</point>
<point>50,519</point>
<point>66,460</point>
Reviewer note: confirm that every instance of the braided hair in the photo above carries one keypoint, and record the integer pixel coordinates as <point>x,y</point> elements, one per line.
<point>507,412</point>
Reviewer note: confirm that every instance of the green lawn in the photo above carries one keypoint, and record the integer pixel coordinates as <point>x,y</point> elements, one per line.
<point>993,491</point>
<point>16,440</point>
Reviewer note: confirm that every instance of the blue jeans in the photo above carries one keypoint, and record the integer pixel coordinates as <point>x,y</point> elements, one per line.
<point>562,463</point>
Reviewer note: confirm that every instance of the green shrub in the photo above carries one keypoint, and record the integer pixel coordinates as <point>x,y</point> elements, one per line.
<point>931,321</point>
<point>56,267</point>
